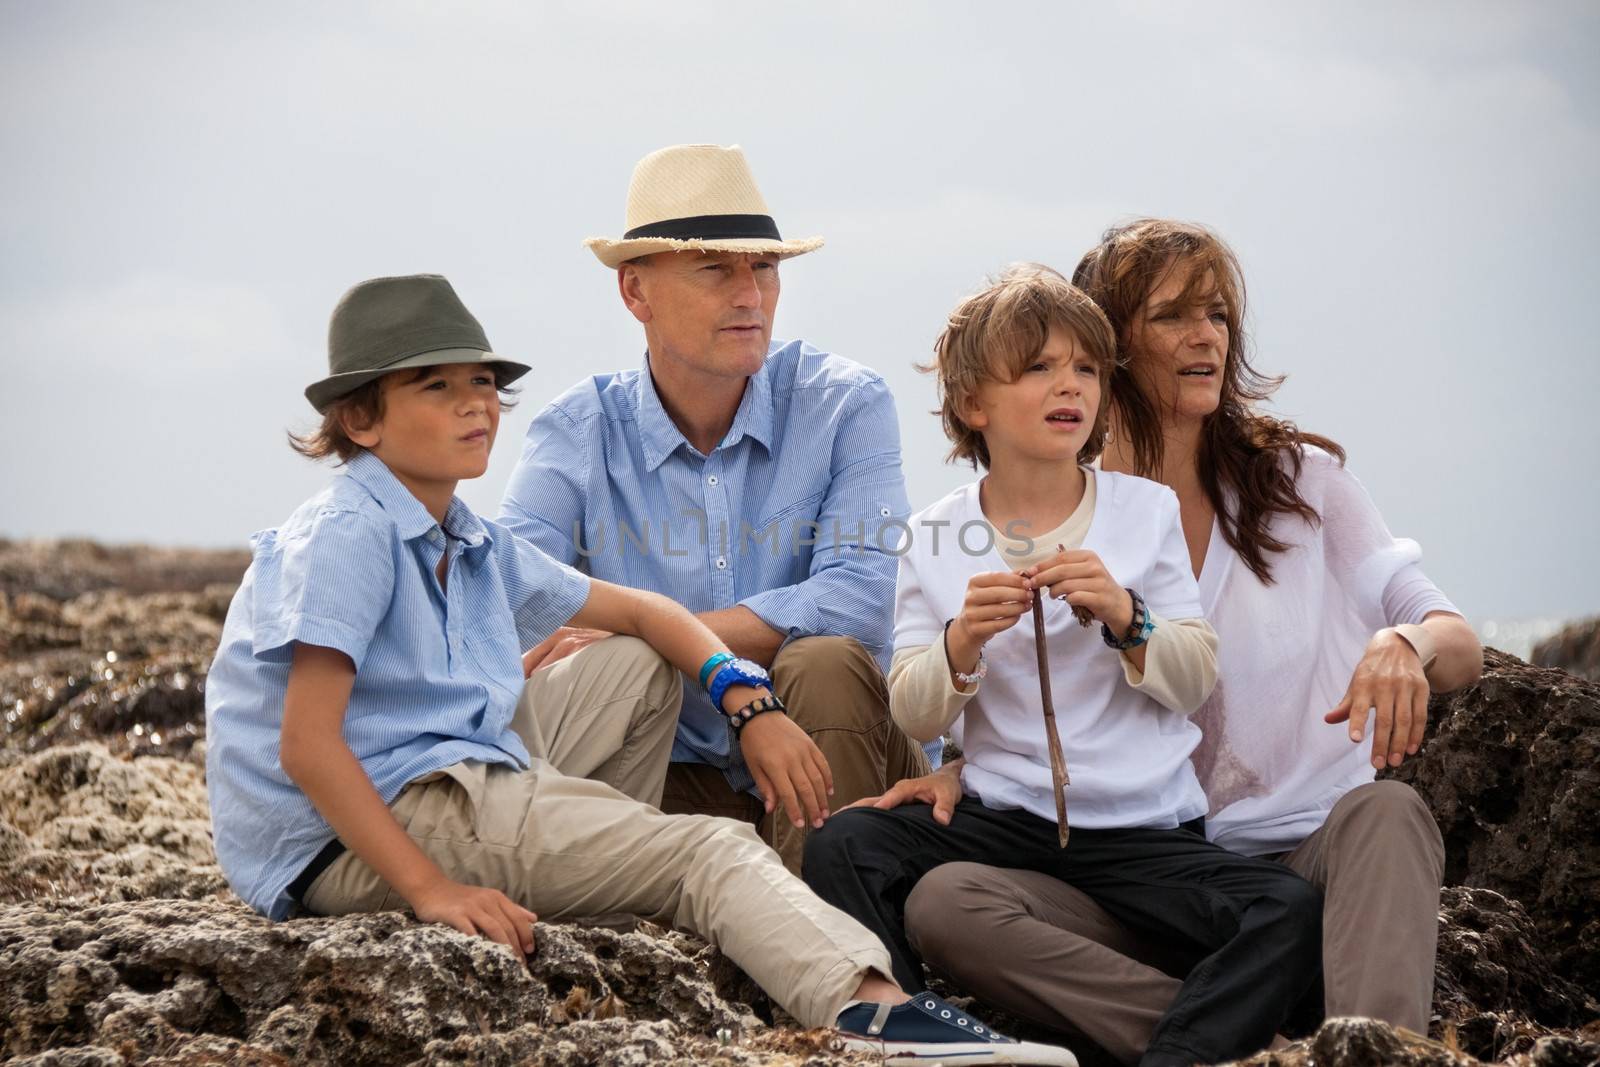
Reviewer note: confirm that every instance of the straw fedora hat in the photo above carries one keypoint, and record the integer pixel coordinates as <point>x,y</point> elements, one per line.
<point>696,197</point>
<point>390,324</point>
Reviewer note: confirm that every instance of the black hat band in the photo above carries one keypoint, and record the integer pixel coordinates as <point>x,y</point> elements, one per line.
<point>709,228</point>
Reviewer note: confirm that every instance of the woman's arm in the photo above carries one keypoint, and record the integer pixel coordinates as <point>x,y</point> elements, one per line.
<point>314,755</point>
<point>1455,658</point>
<point>1391,685</point>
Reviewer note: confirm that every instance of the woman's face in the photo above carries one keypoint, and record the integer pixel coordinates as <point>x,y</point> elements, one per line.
<point>1178,353</point>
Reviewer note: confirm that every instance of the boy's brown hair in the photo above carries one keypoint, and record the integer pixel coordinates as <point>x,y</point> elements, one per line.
<point>997,333</point>
<point>363,406</point>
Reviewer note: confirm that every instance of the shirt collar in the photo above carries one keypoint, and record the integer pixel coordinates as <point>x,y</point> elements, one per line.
<point>406,511</point>
<point>660,436</point>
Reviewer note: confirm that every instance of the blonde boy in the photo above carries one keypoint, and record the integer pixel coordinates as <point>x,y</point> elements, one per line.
<point>1022,367</point>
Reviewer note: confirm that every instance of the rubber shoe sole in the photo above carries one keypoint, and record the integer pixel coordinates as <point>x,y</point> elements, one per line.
<point>958,1054</point>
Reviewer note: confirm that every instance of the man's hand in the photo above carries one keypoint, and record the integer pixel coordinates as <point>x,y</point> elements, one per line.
<point>787,767</point>
<point>942,789</point>
<point>1081,577</point>
<point>558,646</point>
<point>477,910</point>
<point>1389,683</point>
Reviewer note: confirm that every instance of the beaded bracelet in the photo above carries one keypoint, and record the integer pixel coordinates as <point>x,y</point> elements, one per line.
<point>756,707</point>
<point>979,673</point>
<point>1140,627</point>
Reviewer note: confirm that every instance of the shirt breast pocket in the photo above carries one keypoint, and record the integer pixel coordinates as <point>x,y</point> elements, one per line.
<point>499,655</point>
<point>790,526</point>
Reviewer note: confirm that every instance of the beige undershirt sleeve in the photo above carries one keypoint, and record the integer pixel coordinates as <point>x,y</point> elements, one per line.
<point>1180,664</point>
<point>923,698</point>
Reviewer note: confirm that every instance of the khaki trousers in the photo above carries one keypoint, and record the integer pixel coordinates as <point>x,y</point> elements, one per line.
<point>568,840</point>
<point>1068,965</point>
<point>833,689</point>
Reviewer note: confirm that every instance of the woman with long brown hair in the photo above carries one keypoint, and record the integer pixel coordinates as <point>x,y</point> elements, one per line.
<point>1330,640</point>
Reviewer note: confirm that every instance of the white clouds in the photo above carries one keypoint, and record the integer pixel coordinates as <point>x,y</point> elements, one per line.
<point>189,188</point>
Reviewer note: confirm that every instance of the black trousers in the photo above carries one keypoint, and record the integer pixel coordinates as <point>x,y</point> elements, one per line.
<point>1253,927</point>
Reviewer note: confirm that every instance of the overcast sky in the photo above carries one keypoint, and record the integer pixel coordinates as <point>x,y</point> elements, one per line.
<point>186,190</point>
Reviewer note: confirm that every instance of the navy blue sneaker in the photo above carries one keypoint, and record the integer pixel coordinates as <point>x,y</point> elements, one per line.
<point>926,1030</point>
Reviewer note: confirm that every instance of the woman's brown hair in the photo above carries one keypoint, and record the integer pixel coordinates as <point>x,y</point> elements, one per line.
<point>362,407</point>
<point>1249,462</point>
<point>995,334</point>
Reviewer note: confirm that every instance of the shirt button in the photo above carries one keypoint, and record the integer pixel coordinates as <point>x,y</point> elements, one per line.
<point>884,512</point>
<point>711,480</point>
<point>435,536</point>
<point>722,564</point>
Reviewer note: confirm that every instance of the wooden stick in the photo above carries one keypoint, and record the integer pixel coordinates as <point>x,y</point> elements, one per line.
<point>1058,762</point>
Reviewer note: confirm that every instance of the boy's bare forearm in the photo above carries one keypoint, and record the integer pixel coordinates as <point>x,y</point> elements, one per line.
<point>331,776</point>
<point>745,633</point>
<point>314,755</point>
<point>662,623</point>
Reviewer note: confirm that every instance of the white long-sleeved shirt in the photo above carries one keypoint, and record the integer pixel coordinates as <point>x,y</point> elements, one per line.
<point>1180,665</point>
<point>1127,753</point>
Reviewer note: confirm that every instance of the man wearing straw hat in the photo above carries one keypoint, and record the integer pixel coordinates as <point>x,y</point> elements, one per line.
<point>756,482</point>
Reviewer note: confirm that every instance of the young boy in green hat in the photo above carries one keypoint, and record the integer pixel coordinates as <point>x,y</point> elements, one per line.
<point>372,743</point>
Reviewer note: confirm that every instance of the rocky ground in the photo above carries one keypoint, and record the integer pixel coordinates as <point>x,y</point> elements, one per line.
<point>120,943</point>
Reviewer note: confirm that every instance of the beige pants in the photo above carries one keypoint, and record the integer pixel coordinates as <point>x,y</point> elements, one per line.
<point>563,839</point>
<point>1047,952</point>
<point>835,692</point>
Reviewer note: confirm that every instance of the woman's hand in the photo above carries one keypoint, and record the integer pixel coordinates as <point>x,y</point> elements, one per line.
<point>1389,683</point>
<point>1081,577</point>
<point>942,789</point>
<point>476,910</point>
<point>994,603</point>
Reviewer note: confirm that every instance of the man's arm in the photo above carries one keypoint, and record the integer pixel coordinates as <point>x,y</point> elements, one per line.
<point>786,764</point>
<point>849,591</point>
<point>544,499</point>
<point>314,755</point>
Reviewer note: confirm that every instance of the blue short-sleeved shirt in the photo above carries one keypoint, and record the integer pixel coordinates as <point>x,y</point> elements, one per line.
<point>438,671</point>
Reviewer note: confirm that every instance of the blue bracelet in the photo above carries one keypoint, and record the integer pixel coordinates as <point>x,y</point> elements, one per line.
<point>717,660</point>
<point>1140,627</point>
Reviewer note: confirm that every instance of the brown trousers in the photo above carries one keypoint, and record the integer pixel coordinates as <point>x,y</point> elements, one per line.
<point>1044,951</point>
<point>574,837</point>
<point>834,690</point>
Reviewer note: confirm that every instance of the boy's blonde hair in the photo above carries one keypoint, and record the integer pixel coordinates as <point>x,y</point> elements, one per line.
<point>996,334</point>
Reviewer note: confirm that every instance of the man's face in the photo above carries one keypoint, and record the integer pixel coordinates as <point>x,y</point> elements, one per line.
<point>710,311</point>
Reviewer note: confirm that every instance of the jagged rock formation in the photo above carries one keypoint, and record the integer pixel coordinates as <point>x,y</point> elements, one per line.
<point>120,942</point>
<point>1512,773</point>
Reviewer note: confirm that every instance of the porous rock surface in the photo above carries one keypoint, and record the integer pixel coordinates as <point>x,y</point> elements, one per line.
<point>121,944</point>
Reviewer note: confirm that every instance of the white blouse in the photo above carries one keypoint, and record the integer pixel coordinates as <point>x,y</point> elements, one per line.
<point>1271,767</point>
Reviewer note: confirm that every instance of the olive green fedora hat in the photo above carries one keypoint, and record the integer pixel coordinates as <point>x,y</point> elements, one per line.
<point>389,324</point>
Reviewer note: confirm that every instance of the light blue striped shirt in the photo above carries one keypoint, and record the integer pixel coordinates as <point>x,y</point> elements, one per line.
<point>796,515</point>
<point>438,671</point>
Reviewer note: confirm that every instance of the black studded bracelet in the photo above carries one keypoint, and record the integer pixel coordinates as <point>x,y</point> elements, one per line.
<point>756,707</point>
